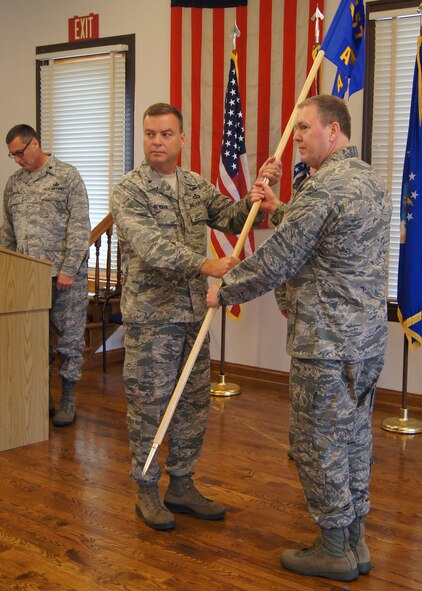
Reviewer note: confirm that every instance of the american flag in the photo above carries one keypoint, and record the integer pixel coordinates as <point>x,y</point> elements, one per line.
<point>233,173</point>
<point>275,49</point>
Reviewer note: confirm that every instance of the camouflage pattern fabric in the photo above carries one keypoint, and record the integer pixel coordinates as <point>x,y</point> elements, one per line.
<point>331,406</point>
<point>163,241</point>
<point>46,216</point>
<point>331,251</point>
<point>155,355</point>
<point>68,321</point>
<point>280,291</point>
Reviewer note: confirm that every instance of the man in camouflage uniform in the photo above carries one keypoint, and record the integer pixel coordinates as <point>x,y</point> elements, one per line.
<point>162,213</point>
<point>46,216</point>
<point>330,250</point>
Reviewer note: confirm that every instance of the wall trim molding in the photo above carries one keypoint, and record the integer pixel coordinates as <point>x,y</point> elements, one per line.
<point>233,370</point>
<point>250,372</point>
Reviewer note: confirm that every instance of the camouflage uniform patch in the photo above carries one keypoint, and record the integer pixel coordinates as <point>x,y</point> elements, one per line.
<point>328,259</point>
<point>163,239</point>
<point>155,355</point>
<point>330,250</point>
<point>331,406</point>
<point>46,216</point>
<point>68,321</point>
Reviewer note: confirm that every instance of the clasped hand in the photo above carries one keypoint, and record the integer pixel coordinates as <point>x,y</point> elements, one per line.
<point>270,170</point>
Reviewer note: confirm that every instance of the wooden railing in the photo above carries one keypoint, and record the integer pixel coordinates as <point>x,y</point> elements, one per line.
<point>105,287</point>
<point>105,280</point>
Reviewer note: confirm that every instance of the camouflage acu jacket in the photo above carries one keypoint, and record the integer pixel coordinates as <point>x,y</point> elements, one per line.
<point>46,216</point>
<point>163,241</point>
<point>331,251</point>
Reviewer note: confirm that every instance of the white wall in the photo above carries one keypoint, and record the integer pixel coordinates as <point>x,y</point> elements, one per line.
<point>28,23</point>
<point>258,338</point>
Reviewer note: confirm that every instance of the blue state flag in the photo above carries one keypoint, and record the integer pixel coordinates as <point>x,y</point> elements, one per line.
<point>409,287</point>
<point>344,45</point>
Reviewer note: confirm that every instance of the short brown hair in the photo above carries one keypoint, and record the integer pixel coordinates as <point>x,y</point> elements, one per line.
<point>164,109</point>
<point>26,132</point>
<point>330,109</point>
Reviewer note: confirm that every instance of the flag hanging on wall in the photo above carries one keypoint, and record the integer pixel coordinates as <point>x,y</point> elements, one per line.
<point>344,45</point>
<point>209,4</point>
<point>409,287</point>
<point>275,45</point>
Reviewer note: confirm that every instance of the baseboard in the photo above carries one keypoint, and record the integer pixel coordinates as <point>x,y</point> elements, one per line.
<point>249,372</point>
<point>232,370</point>
<point>237,370</point>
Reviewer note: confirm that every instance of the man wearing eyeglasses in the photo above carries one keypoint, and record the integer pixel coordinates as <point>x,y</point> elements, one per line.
<point>46,216</point>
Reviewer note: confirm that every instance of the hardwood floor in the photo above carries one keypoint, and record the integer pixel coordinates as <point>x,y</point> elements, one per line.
<point>67,519</point>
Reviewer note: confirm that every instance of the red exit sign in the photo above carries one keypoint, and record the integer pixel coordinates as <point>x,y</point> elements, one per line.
<point>84,27</point>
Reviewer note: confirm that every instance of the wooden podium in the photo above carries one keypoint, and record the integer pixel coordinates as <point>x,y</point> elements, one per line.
<point>25,300</point>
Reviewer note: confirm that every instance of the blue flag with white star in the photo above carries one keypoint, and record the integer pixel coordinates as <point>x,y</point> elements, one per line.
<point>344,45</point>
<point>409,287</point>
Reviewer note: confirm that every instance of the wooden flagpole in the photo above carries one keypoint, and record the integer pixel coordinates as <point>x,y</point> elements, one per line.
<point>165,421</point>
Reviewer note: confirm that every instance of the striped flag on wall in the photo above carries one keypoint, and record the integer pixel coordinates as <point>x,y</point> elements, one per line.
<point>275,45</point>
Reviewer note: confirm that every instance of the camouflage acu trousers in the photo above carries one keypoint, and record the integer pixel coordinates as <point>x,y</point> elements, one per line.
<point>331,406</point>
<point>155,355</point>
<point>68,321</point>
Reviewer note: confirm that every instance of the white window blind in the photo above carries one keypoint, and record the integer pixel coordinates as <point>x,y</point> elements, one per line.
<point>82,111</point>
<point>395,53</point>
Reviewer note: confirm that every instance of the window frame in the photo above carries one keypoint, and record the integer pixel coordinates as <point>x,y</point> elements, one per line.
<point>367,119</point>
<point>128,40</point>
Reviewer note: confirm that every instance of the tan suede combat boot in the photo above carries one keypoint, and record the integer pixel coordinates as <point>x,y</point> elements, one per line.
<point>359,546</point>
<point>67,412</point>
<point>183,497</point>
<point>330,557</point>
<point>151,510</point>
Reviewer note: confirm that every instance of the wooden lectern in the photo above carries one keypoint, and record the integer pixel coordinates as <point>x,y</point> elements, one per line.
<point>25,300</point>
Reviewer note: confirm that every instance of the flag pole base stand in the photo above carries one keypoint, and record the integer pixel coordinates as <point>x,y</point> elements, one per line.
<point>224,389</point>
<point>402,424</point>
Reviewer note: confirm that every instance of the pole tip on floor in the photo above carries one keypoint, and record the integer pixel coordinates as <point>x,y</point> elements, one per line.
<point>150,457</point>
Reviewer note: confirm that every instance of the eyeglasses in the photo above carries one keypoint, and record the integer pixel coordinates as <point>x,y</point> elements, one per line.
<point>20,153</point>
